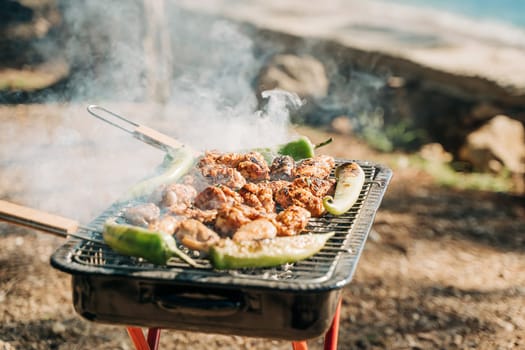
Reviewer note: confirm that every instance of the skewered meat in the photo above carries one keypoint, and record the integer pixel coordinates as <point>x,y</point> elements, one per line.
<point>142,215</point>
<point>178,196</point>
<point>214,197</point>
<point>167,224</point>
<point>292,220</point>
<point>282,168</point>
<point>230,218</point>
<point>293,195</point>
<point>219,174</point>
<point>255,230</point>
<point>258,196</point>
<point>318,166</point>
<point>318,187</point>
<point>195,235</point>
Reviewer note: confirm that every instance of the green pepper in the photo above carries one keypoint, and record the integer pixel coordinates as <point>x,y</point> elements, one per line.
<point>350,180</point>
<point>298,149</point>
<point>156,247</point>
<point>266,253</point>
<point>177,162</point>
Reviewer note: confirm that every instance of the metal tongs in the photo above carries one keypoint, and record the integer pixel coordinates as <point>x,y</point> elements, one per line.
<point>45,222</point>
<point>141,132</point>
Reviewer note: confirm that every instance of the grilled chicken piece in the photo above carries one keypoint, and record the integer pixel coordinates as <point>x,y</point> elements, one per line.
<point>219,174</point>
<point>318,187</point>
<point>293,195</point>
<point>275,186</point>
<point>255,230</point>
<point>282,168</point>
<point>257,196</point>
<point>292,220</point>
<point>178,196</point>
<point>230,218</point>
<point>318,166</point>
<point>253,167</point>
<point>142,215</point>
<point>167,224</point>
<point>214,197</point>
<point>250,165</point>
<point>195,235</point>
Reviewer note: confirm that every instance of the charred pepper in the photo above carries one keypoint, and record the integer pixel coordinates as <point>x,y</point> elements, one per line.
<point>298,149</point>
<point>350,179</point>
<point>266,253</point>
<point>156,247</point>
<point>176,164</point>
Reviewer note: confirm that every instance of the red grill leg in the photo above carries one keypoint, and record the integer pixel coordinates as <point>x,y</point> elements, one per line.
<point>330,338</point>
<point>153,338</point>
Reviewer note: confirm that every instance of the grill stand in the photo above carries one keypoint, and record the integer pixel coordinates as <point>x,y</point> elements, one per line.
<point>152,342</point>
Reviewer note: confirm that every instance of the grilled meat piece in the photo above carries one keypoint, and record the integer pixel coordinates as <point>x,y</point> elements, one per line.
<point>282,168</point>
<point>219,174</point>
<point>230,218</point>
<point>293,195</point>
<point>292,220</point>
<point>318,187</point>
<point>253,167</point>
<point>258,196</point>
<point>195,235</point>
<point>318,166</point>
<point>167,224</point>
<point>255,230</point>
<point>214,197</point>
<point>142,215</point>
<point>250,165</point>
<point>178,196</point>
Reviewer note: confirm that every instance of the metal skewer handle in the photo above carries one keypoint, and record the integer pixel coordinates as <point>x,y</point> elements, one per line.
<point>141,132</point>
<point>41,221</point>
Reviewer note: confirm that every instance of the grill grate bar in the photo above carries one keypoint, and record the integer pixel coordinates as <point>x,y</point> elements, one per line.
<point>340,252</point>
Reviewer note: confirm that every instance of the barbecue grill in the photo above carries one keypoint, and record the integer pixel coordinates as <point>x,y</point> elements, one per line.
<point>291,302</point>
<point>295,301</point>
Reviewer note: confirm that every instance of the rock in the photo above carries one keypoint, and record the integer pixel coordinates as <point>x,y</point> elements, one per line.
<point>500,142</point>
<point>6,346</point>
<point>435,152</point>
<point>303,75</point>
<point>341,125</point>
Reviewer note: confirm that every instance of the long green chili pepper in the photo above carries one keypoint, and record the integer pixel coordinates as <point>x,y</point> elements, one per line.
<point>266,253</point>
<point>298,149</point>
<point>156,247</point>
<point>350,180</point>
<point>176,163</point>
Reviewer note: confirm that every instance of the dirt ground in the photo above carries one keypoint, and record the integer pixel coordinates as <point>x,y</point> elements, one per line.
<point>442,269</point>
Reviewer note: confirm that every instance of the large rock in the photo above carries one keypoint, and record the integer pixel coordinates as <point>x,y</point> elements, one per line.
<point>500,142</point>
<point>303,75</point>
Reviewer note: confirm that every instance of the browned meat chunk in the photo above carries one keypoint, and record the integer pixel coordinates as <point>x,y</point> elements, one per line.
<point>214,197</point>
<point>318,187</point>
<point>195,235</point>
<point>223,175</point>
<point>282,168</point>
<point>292,195</point>
<point>250,165</point>
<point>253,167</point>
<point>142,215</point>
<point>178,196</point>
<point>275,186</point>
<point>318,166</point>
<point>292,220</point>
<point>255,230</point>
<point>230,218</point>
<point>257,196</point>
<point>167,224</point>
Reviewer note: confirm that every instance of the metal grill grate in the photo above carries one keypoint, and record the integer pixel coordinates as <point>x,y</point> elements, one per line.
<point>338,257</point>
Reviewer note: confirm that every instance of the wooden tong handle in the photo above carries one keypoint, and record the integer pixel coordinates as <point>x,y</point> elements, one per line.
<point>36,219</point>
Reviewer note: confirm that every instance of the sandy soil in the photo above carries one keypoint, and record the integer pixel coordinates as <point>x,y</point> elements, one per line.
<point>443,269</point>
